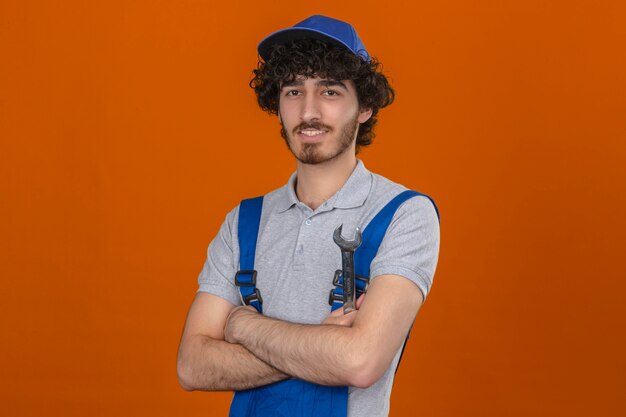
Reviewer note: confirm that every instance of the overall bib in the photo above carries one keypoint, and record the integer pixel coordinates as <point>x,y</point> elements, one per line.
<point>295,397</point>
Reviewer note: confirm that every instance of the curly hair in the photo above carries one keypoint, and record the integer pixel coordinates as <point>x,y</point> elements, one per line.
<point>317,58</point>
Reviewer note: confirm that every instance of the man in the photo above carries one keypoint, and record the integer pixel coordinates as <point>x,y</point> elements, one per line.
<point>295,358</point>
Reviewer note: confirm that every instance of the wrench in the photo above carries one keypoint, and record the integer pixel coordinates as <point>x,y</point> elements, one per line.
<point>347,263</point>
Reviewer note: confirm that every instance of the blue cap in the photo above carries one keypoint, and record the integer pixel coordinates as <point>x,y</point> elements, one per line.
<point>316,27</point>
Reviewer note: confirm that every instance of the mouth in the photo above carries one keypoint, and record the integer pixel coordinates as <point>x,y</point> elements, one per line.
<point>311,135</point>
<point>311,132</point>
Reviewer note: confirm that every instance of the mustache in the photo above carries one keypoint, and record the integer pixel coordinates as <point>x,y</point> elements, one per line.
<point>312,125</point>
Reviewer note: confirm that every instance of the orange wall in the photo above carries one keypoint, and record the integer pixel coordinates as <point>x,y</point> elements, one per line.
<point>127,131</point>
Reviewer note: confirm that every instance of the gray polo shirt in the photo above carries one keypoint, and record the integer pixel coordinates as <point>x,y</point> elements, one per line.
<point>296,257</point>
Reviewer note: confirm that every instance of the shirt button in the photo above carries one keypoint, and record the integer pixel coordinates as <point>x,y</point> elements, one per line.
<point>308,222</point>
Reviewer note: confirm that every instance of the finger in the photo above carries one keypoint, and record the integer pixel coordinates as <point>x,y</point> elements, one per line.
<point>359,301</point>
<point>333,315</point>
<point>349,318</point>
<point>337,313</point>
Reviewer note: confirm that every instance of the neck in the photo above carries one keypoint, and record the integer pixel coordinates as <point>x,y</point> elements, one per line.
<point>317,183</point>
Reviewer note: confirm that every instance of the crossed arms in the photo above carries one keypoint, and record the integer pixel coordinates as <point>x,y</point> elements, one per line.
<point>224,347</point>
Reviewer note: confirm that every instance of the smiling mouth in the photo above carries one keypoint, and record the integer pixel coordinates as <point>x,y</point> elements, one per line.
<point>310,132</point>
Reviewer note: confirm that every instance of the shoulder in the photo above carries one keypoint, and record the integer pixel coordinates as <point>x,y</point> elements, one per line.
<point>384,190</point>
<point>277,196</point>
<point>276,200</point>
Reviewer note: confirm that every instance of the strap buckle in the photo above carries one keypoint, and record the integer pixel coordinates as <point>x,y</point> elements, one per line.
<point>255,296</point>
<point>332,297</point>
<point>361,283</point>
<point>245,283</point>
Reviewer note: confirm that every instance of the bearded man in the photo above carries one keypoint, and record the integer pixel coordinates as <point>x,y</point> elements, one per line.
<point>261,324</point>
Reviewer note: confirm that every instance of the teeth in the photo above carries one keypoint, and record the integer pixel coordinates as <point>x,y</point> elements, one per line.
<point>311,132</point>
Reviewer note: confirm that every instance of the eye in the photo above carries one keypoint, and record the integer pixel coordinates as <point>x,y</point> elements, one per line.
<point>331,93</point>
<point>292,93</point>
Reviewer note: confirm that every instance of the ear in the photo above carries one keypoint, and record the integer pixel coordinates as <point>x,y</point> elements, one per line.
<point>364,115</point>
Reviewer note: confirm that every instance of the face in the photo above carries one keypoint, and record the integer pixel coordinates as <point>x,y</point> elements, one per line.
<point>320,118</point>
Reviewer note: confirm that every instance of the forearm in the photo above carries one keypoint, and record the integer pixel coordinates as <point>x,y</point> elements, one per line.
<point>209,364</point>
<point>323,354</point>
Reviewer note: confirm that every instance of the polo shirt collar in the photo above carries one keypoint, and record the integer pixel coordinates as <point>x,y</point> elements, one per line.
<point>352,194</point>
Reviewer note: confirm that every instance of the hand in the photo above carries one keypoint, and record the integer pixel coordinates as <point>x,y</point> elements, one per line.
<point>234,322</point>
<point>338,317</point>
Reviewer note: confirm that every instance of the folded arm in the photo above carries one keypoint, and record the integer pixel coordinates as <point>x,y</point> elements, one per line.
<point>331,354</point>
<point>206,362</point>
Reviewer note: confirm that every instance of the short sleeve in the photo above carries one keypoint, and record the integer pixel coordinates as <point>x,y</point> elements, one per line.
<point>410,247</point>
<point>218,274</point>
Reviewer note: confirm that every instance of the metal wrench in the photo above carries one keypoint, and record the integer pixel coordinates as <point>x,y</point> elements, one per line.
<point>347,263</point>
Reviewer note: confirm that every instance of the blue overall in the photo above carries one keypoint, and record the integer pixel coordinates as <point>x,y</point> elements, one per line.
<point>294,397</point>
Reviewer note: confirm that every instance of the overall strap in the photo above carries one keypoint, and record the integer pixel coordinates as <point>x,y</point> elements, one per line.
<point>374,232</point>
<point>373,235</point>
<point>247,233</point>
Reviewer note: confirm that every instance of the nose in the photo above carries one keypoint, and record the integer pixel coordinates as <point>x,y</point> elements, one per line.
<point>310,109</point>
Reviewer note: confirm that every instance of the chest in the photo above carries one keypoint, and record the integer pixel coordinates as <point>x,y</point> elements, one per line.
<point>296,259</point>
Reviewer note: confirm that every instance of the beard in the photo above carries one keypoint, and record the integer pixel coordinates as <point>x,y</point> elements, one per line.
<point>310,153</point>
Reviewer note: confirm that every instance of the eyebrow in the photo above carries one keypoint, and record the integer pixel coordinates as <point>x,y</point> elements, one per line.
<point>320,83</point>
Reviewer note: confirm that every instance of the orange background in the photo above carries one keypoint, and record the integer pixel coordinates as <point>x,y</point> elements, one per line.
<point>128,131</point>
